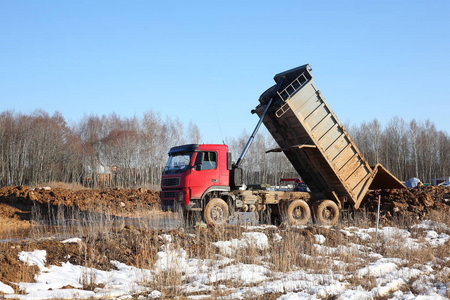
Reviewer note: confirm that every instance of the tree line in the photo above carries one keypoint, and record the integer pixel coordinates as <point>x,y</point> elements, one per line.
<point>97,151</point>
<point>406,149</point>
<point>113,151</point>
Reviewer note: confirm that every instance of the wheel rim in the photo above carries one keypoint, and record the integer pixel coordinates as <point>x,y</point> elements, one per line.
<point>217,214</point>
<point>298,213</point>
<point>328,214</point>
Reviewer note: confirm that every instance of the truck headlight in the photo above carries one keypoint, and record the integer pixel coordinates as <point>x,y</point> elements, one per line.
<point>181,197</point>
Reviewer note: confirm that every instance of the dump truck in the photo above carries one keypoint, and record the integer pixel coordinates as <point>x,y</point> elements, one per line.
<point>203,181</point>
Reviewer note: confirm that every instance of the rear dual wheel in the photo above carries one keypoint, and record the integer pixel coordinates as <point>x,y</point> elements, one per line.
<point>326,212</point>
<point>298,213</point>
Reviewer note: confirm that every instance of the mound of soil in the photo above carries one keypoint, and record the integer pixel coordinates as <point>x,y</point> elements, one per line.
<point>409,204</point>
<point>17,203</point>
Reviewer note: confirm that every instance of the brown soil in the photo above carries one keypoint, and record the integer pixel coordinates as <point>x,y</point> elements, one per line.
<point>18,202</point>
<point>411,205</point>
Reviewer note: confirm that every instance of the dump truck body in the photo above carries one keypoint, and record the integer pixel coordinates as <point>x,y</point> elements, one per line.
<point>316,143</point>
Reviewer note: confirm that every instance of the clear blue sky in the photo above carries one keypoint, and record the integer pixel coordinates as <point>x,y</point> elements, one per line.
<point>209,61</point>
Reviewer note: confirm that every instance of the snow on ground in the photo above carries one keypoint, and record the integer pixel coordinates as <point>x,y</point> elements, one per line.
<point>374,275</point>
<point>6,289</point>
<point>249,239</point>
<point>35,258</point>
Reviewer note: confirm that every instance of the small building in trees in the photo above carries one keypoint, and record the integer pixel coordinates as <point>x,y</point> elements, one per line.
<point>436,181</point>
<point>100,176</point>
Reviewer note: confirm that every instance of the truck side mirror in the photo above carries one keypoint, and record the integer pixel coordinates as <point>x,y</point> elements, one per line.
<point>199,161</point>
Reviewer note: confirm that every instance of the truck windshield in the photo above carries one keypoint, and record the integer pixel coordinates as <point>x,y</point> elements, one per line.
<point>178,162</point>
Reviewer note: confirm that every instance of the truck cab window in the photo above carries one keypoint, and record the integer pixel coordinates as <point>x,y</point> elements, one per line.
<point>178,163</point>
<point>209,160</point>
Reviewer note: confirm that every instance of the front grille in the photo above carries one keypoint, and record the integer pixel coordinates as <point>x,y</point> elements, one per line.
<point>170,181</point>
<point>167,202</point>
<point>169,195</point>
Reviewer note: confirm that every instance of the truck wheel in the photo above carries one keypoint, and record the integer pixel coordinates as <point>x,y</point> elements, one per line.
<point>216,212</point>
<point>326,213</point>
<point>298,213</point>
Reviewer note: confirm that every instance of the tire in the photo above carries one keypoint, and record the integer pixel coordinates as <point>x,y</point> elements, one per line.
<point>298,213</point>
<point>216,212</point>
<point>326,213</point>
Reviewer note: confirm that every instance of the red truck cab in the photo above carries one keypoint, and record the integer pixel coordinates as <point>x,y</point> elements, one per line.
<point>191,172</point>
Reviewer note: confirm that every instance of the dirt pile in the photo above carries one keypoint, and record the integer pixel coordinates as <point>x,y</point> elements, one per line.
<point>410,204</point>
<point>17,203</point>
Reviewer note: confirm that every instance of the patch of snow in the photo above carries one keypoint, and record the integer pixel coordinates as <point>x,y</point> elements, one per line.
<point>377,268</point>
<point>393,233</point>
<point>297,296</point>
<point>431,234</point>
<point>352,294</point>
<point>261,227</point>
<point>277,238</point>
<point>49,283</point>
<point>155,294</point>
<point>320,239</point>
<point>340,250</point>
<point>435,239</point>
<point>249,239</point>
<point>35,258</point>
<point>364,236</point>
<point>399,295</point>
<point>431,225</point>
<point>196,297</point>
<point>429,286</point>
<point>388,288</point>
<point>58,294</point>
<point>319,285</point>
<point>6,289</point>
<point>242,273</point>
<point>171,258</point>
<point>257,239</point>
<point>72,241</point>
<point>346,232</point>
<point>445,272</point>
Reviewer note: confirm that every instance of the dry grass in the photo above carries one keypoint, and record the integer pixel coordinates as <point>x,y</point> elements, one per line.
<point>137,242</point>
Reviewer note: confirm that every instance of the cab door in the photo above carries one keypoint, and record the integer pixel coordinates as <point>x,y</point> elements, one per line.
<point>205,172</point>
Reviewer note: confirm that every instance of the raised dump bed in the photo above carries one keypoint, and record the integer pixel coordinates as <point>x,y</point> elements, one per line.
<point>316,143</point>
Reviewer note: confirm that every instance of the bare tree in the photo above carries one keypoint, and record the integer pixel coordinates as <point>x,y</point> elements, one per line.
<point>414,138</point>
<point>193,133</point>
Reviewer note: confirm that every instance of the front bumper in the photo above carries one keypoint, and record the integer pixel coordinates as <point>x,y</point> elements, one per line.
<point>173,198</point>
